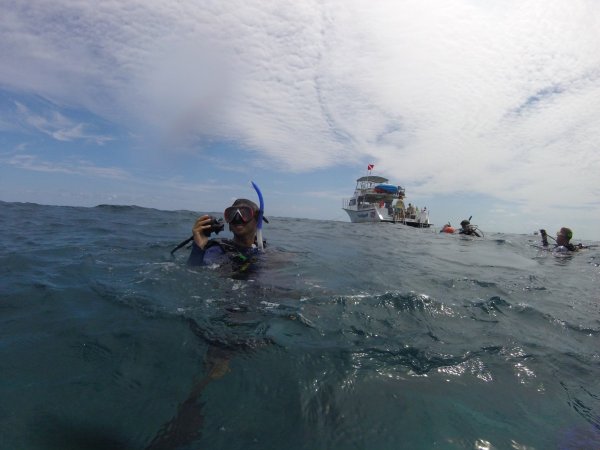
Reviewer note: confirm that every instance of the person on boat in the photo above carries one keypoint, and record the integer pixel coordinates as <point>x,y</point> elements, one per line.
<point>399,209</point>
<point>563,239</point>
<point>410,211</point>
<point>468,229</point>
<point>424,216</point>
<point>242,217</point>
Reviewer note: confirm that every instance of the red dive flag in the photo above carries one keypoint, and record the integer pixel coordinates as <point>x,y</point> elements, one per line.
<point>370,167</point>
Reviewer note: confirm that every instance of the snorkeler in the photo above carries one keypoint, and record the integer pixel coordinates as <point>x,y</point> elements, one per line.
<point>245,222</point>
<point>468,229</point>
<point>242,217</point>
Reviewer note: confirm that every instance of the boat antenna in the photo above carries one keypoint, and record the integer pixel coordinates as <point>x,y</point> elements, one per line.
<point>259,239</point>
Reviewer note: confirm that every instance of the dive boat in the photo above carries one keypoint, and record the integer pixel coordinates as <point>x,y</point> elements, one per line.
<point>375,200</point>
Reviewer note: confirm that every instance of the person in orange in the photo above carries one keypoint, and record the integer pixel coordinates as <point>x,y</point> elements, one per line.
<point>447,229</point>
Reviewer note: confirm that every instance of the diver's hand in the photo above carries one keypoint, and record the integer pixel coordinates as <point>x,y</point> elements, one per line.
<point>202,223</point>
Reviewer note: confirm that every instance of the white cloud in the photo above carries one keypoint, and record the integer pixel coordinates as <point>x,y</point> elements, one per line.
<point>56,125</point>
<point>500,98</point>
<point>32,162</point>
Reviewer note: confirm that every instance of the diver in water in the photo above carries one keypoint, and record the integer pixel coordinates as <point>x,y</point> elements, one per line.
<point>245,222</point>
<point>563,239</point>
<point>447,228</point>
<point>243,218</point>
<point>468,229</point>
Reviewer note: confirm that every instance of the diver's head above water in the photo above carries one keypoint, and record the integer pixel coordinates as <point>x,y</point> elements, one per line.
<point>563,236</point>
<point>242,210</point>
<point>242,217</point>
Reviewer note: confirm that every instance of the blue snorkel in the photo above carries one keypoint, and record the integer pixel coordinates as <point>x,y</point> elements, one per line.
<point>259,239</point>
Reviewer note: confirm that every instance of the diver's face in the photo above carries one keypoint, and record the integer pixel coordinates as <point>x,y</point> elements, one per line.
<point>237,226</point>
<point>242,223</point>
<point>561,237</point>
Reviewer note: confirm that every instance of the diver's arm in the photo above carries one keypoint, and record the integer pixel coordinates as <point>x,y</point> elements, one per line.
<point>200,240</point>
<point>544,237</point>
<point>196,256</point>
<point>202,223</point>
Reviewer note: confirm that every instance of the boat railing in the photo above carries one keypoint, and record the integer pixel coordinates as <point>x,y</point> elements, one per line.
<point>364,191</point>
<point>372,192</point>
<point>351,203</point>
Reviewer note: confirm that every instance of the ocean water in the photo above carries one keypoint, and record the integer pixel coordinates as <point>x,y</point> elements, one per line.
<point>345,336</point>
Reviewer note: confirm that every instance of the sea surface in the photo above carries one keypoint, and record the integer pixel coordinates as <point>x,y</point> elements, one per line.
<point>343,336</point>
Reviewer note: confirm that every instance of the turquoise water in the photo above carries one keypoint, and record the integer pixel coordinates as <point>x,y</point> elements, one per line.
<point>348,336</point>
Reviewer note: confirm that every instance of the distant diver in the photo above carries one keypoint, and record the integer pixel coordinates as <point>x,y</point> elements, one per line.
<point>470,230</point>
<point>447,228</point>
<point>562,241</point>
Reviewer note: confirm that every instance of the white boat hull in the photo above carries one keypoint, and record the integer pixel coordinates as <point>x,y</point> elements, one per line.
<point>375,214</point>
<point>368,215</point>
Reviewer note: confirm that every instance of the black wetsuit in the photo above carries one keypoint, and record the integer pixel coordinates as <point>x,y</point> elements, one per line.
<point>223,252</point>
<point>470,231</point>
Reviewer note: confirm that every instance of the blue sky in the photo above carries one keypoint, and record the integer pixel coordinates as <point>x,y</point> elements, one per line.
<point>489,109</point>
